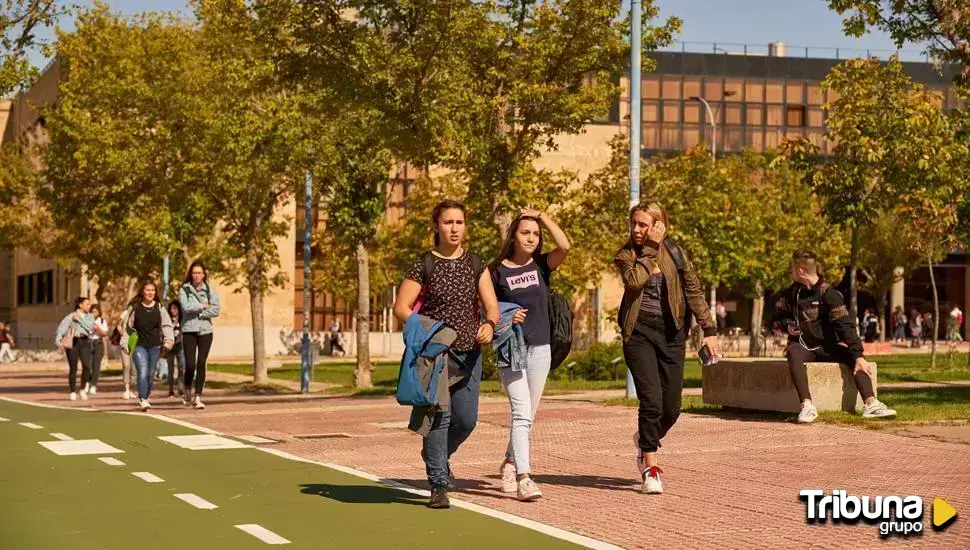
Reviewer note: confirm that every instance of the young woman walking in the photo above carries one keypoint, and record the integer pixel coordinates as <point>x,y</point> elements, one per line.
<point>453,288</point>
<point>200,305</point>
<point>176,356</point>
<point>150,321</point>
<point>661,290</point>
<point>74,337</point>
<point>520,275</point>
<point>98,334</point>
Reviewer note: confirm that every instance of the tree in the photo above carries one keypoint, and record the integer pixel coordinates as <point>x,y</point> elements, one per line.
<point>938,25</point>
<point>252,151</point>
<point>882,257</point>
<point>113,165</point>
<point>878,115</point>
<point>19,22</point>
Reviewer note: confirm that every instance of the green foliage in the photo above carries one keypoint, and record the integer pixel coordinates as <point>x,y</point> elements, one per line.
<point>595,363</point>
<point>19,22</point>
<point>939,26</point>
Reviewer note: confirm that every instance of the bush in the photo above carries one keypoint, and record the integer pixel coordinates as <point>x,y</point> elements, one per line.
<point>594,363</point>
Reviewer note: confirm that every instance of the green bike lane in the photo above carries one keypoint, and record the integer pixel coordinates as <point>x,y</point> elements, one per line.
<point>51,501</point>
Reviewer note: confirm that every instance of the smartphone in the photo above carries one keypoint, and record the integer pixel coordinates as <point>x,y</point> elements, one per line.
<point>706,358</point>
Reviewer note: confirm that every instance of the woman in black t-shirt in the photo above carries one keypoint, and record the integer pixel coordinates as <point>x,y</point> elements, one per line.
<point>150,321</point>
<point>520,274</point>
<point>451,292</point>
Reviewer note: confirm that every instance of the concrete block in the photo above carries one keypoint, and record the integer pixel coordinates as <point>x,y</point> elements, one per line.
<point>765,385</point>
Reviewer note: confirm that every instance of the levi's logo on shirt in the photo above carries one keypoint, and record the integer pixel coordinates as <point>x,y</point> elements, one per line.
<point>524,280</point>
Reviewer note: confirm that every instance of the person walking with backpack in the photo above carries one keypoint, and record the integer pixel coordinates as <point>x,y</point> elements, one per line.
<point>74,337</point>
<point>176,356</point>
<point>200,305</point>
<point>448,284</point>
<point>520,275</point>
<point>152,326</point>
<point>98,334</point>
<point>661,290</point>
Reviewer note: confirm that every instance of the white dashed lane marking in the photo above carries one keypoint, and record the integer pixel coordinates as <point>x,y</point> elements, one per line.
<point>262,533</point>
<point>148,476</point>
<point>111,461</point>
<point>32,426</point>
<point>62,437</point>
<point>2,419</point>
<point>196,501</point>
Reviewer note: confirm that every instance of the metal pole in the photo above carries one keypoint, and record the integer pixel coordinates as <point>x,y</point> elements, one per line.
<point>636,126</point>
<point>305,366</point>
<point>710,116</point>
<point>165,279</point>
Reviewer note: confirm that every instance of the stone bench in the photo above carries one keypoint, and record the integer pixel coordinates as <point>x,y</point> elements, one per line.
<point>765,385</point>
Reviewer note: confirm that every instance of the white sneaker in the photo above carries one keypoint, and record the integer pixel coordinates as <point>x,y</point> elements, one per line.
<point>144,404</point>
<point>198,403</point>
<point>87,387</point>
<point>92,390</point>
<point>651,481</point>
<point>73,396</point>
<point>509,483</point>
<point>127,394</point>
<point>636,443</point>
<point>84,395</point>
<point>808,415</point>
<point>877,409</point>
<point>528,490</point>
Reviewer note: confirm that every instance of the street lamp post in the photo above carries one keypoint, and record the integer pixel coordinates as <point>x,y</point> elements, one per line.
<point>306,365</point>
<point>711,117</point>
<point>636,126</point>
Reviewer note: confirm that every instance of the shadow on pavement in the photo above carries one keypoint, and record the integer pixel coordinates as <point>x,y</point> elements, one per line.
<point>361,494</point>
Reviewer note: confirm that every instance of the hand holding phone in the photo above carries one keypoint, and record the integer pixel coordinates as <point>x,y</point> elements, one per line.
<point>706,357</point>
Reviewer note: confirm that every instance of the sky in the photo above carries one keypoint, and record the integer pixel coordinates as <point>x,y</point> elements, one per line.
<point>798,23</point>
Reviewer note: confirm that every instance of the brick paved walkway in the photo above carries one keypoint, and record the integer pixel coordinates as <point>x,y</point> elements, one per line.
<point>729,483</point>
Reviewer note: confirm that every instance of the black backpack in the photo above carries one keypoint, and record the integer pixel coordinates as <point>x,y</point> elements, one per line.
<point>560,325</point>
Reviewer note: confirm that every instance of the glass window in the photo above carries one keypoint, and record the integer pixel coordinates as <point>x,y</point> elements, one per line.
<point>650,137</point>
<point>734,89</point>
<point>732,114</point>
<point>755,91</point>
<point>692,113</point>
<point>774,92</point>
<point>713,89</point>
<point>775,115</point>
<point>651,87</point>
<point>815,119</point>
<point>815,95</point>
<point>754,138</point>
<point>795,92</point>
<point>755,115</point>
<point>733,139</point>
<point>692,87</point>
<point>671,87</point>
<point>651,111</point>
<point>773,139</point>
<point>670,136</point>
<point>795,116</point>
<point>671,111</point>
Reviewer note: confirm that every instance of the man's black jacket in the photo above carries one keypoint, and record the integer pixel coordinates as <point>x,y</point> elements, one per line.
<point>821,316</point>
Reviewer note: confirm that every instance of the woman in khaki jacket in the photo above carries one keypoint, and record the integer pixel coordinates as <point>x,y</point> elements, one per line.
<point>661,291</point>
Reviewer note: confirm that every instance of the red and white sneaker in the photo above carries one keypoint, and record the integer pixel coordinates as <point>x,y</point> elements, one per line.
<point>651,481</point>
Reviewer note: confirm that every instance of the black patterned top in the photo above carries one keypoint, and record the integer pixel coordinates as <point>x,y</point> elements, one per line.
<point>452,295</point>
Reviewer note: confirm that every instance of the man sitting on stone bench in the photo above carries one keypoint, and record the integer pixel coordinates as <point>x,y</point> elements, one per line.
<point>820,329</point>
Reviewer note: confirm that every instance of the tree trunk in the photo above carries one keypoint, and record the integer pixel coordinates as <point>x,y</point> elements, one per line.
<point>853,280</point>
<point>757,311</point>
<point>936,313</point>
<point>254,277</point>
<point>362,374</point>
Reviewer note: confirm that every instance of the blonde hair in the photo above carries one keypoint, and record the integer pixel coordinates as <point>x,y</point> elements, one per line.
<point>653,209</point>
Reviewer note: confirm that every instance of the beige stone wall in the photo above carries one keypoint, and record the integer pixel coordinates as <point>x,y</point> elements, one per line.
<point>582,153</point>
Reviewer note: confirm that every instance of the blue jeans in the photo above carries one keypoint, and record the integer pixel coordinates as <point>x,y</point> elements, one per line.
<point>452,427</point>
<point>146,359</point>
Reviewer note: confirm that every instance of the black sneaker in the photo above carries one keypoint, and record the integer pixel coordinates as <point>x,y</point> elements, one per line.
<point>451,479</point>
<point>439,498</point>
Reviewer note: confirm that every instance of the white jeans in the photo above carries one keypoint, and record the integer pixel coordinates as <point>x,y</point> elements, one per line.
<point>525,390</point>
<point>7,351</point>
